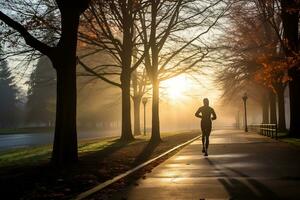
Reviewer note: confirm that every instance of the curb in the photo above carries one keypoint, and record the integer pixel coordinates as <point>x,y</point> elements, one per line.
<point>115,179</point>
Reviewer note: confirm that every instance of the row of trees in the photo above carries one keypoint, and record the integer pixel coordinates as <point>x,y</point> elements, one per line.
<point>8,105</point>
<point>264,57</point>
<point>40,105</point>
<point>35,107</point>
<point>160,38</point>
<point>147,38</point>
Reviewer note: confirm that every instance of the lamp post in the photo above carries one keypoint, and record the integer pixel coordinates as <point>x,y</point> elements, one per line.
<point>144,100</point>
<point>238,120</point>
<point>245,97</point>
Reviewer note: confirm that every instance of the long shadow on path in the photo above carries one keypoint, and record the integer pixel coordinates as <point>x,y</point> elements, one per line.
<point>245,188</point>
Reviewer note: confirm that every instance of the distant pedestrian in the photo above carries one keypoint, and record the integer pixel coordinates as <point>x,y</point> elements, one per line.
<point>207,114</point>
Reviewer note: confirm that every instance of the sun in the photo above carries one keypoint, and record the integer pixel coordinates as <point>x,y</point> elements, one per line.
<point>176,87</point>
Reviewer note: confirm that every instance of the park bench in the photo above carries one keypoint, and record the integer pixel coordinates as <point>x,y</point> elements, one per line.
<point>269,130</point>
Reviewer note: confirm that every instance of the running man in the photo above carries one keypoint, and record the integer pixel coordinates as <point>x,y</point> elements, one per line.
<point>207,115</point>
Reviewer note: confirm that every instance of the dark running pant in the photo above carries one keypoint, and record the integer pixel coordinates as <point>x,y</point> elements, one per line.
<point>206,129</point>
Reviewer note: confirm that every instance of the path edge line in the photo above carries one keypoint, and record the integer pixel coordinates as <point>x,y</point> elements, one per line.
<point>116,178</point>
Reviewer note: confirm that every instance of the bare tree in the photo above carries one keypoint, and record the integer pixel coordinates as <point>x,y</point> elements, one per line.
<point>172,30</point>
<point>140,83</point>
<point>111,30</point>
<point>63,57</point>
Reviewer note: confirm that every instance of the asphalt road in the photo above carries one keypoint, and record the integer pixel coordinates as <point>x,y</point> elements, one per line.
<point>239,166</point>
<point>12,141</point>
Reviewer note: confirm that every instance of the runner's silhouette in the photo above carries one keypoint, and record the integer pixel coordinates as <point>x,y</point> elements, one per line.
<point>207,114</point>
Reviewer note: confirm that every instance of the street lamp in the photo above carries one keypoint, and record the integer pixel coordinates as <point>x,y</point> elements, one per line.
<point>144,100</point>
<point>245,97</point>
<point>238,120</point>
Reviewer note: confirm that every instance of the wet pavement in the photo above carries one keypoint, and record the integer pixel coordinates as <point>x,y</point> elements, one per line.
<point>239,166</point>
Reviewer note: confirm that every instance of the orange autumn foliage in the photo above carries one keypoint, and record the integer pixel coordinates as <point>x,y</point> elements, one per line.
<point>275,71</point>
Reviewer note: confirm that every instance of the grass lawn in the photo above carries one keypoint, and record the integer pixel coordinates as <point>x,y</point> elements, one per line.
<point>284,137</point>
<point>41,154</point>
<point>26,130</point>
<point>26,173</point>
<point>293,141</point>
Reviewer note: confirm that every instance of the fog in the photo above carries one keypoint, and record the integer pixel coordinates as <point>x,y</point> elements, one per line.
<point>180,97</point>
<point>99,105</point>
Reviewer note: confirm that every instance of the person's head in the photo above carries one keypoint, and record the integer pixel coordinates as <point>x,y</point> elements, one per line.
<point>206,102</point>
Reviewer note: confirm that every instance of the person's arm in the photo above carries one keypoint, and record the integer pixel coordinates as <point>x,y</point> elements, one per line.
<point>197,114</point>
<point>214,116</point>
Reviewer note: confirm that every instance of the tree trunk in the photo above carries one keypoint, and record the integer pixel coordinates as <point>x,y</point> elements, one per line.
<point>290,22</point>
<point>294,86</point>
<point>65,138</point>
<point>126,132</point>
<point>126,57</point>
<point>136,102</point>
<point>155,134</point>
<point>265,110</point>
<point>281,108</point>
<point>137,122</point>
<point>64,61</point>
<point>273,116</point>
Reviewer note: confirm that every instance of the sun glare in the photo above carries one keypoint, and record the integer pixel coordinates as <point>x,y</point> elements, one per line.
<point>176,87</point>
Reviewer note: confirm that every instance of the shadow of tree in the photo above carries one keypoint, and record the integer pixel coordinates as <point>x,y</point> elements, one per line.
<point>246,188</point>
<point>106,151</point>
<point>146,153</point>
<point>80,176</point>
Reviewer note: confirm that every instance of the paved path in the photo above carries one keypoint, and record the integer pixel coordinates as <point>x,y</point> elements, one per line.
<point>239,166</point>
